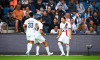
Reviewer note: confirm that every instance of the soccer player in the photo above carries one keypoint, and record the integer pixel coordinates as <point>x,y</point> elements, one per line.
<point>30,32</point>
<point>39,39</point>
<point>64,36</point>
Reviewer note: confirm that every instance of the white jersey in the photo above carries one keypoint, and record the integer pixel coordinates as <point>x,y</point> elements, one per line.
<point>40,28</point>
<point>1,25</point>
<point>65,28</point>
<point>30,23</point>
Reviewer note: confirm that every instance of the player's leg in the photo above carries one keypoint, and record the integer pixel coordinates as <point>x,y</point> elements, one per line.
<point>29,47</point>
<point>37,49</point>
<point>47,48</point>
<point>16,25</point>
<point>67,49</point>
<point>61,48</point>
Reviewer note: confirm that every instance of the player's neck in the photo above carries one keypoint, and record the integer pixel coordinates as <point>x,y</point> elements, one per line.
<point>63,22</point>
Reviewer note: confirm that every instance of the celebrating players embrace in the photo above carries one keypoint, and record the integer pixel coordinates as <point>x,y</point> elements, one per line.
<point>34,34</point>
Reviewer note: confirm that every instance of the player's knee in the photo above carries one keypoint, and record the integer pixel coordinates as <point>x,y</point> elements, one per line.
<point>38,44</point>
<point>16,21</point>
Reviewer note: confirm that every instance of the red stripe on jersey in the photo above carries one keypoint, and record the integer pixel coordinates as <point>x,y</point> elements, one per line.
<point>66,33</point>
<point>31,41</point>
<point>65,43</point>
<point>60,28</point>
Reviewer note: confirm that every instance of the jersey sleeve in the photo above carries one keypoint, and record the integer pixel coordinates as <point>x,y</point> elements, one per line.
<point>41,26</point>
<point>69,26</point>
<point>60,26</point>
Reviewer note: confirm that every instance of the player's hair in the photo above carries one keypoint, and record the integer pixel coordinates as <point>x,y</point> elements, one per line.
<point>38,18</point>
<point>63,17</point>
<point>31,14</point>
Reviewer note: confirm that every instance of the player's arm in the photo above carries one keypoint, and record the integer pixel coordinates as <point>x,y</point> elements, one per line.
<point>60,31</point>
<point>41,31</point>
<point>2,29</point>
<point>70,33</point>
<point>24,27</point>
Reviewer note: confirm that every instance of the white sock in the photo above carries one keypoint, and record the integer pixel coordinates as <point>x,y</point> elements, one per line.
<point>47,49</point>
<point>61,48</point>
<point>29,47</point>
<point>67,49</point>
<point>37,50</point>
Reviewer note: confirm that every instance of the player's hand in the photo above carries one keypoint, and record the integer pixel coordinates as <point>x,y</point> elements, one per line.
<point>25,31</point>
<point>69,38</point>
<point>58,37</point>
<point>45,34</point>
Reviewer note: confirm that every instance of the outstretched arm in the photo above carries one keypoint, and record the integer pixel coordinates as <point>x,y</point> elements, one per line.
<point>41,31</point>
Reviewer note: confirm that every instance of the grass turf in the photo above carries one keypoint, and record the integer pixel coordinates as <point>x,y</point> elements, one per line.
<point>50,58</point>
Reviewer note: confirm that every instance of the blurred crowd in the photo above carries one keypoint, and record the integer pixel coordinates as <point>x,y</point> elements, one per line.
<point>83,15</point>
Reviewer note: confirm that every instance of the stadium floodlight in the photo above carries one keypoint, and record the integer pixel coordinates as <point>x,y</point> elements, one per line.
<point>88,48</point>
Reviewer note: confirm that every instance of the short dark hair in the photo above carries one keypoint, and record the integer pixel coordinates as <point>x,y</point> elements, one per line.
<point>31,14</point>
<point>63,17</point>
<point>38,18</point>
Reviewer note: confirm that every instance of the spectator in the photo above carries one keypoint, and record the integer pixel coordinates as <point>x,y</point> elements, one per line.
<point>77,19</point>
<point>72,8</point>
<point>93,6</point>
<point>13,2</point>
<point>80,7</point>
<point>49,11</point>
<point>46,21</point>
<point>22,6</point>
<point>10,12</point>
<point>55,22</point>
<point>74,28</point>
<point>39,7</point>
<point>92,24</point>
<point>82,23</point>
<point>18,14</point>
<point>53,14</point>
<point>1,27</point>
<point>27,10</point>
<point>55,30</point>
<point>64,6</point>
<point>96,19</point>
<point>60,13</point>
<point>57,16</point>
<point>91,31</point>
<point>24,2</point>
<point>81,29</point>
<point>88,15</point>
<point>51,3</point>
<point>31,6</point>
<point>1,12</point>
<point>67,16</point>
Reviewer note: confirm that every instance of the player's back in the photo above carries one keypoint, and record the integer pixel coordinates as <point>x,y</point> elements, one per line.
<point>31,22</point>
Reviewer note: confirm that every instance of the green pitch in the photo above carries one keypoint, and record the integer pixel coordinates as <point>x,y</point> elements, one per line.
<point>50,58</point>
